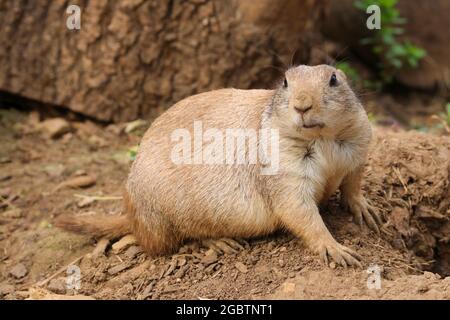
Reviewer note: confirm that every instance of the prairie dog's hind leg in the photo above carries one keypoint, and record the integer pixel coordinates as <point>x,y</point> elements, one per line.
<point>154,232</point>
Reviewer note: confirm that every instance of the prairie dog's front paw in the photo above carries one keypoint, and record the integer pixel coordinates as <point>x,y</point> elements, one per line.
<point>339,253</point>
<point>362,211</point>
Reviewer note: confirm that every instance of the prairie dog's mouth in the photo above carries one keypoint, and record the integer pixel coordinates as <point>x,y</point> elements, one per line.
<point>313,125</point>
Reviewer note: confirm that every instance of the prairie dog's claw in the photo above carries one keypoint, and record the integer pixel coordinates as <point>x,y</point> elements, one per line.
<point>223,245</point>
<point>340,254</point>
<point>362,211</point>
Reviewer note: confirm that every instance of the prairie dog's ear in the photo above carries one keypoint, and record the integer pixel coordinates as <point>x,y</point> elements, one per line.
<point>341,74</point>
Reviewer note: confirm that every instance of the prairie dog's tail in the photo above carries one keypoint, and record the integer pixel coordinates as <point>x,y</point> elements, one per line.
<point>100,225</point>
<point>97,226</point>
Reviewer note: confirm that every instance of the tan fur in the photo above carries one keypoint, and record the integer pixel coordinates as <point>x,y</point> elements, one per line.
<point>97,226</point>
<point>169,203</point>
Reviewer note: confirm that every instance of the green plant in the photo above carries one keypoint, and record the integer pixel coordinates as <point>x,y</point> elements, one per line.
<point>443,119</point>
<point>356,80</point>
<point>132,152</point>
<point>447,116</point>
<point>372,117</point>
<point>393,53</point>
<point>349,71</point>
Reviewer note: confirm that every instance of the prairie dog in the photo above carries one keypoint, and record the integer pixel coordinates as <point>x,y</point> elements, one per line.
<point>323,136</point>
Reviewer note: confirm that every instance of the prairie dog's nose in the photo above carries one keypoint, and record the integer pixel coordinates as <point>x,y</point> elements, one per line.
<point>303,104</point>
<point>302,110</point>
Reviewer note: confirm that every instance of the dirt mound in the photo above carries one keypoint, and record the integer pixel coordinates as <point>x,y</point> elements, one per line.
<point>406,178</point>
<point>328,284</point>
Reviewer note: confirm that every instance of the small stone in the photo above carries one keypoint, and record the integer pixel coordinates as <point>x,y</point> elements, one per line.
<point>123,243</point>
<point>281,263</point>
<point>288,287</point>
<point>241,267</point>
<point>6,289</point>
<point>18,271</point>
<point>54,170</point>
<point>333,265</point>
<point>429,275</point>
<point>85,202</point>
<point>209,258</point>
<point>55,127</point>
<point>57,285</point>
<point>97,141</point>
<point>133,251</point>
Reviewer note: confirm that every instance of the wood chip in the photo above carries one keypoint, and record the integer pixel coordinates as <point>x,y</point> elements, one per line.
<point>128,276</point>
<point>123,243</point>
<point>181,272</point>
<point>172,266</point>
<point>133,251</point>
<point>148,291</point>
<point>55,127</point>
<point>100,248</point>
<point>119,268</point>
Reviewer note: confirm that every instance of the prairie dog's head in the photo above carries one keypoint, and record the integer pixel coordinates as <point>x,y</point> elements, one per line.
<point>316,101</point>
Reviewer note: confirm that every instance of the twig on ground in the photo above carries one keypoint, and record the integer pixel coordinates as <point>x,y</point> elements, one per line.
<point>45,281</point>
<point>397,172</point>
<point>99,198</point>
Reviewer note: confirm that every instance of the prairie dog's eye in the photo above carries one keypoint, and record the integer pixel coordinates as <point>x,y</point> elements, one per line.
<point>285,84</point>
<point>333,80</point>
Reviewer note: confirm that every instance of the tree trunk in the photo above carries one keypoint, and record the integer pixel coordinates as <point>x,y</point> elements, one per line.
<point>134,58</point>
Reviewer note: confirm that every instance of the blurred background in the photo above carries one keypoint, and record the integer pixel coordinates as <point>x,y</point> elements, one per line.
<point>133,59</point>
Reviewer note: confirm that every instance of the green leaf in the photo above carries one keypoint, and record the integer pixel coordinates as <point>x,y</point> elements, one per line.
<point>448,113</point>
